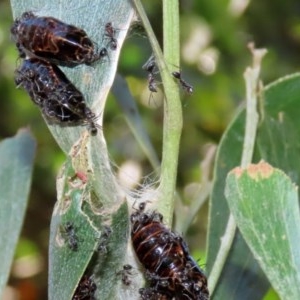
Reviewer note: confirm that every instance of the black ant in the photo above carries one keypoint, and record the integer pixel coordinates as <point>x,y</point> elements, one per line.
<point>103,241</point>
<point>71,235</point>
<point>187,87</point>
<point>103,52</point>
<point>151,80</point>
<point>125,273</point>
<point>110,32</point>
<point>150,66</point>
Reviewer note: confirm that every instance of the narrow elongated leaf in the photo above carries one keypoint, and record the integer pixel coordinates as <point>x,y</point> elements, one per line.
<point>278,143</point>
<point>16,161</point>
<point>265,205</point>
<point>129,108</point>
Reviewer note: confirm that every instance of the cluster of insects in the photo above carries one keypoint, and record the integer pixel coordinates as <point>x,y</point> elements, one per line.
<point>151,69</point>
<point>85,289</point>
<point>44,43</point>
<point>169,268</point>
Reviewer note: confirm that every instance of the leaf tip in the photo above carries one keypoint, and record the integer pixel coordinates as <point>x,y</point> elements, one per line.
<point>238,171</point>
<point>260,170</point>
<point>25,131</point>
<point>255,171</point>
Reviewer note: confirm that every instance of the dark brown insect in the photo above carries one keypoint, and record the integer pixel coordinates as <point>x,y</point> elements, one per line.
<point>157,248</point>
<point>187,87</point>
<point>153,294</point>
<point>193,280</point>
<point>170,269</point>
<point>59,100</point>
<point>86,289</point>
<point>110,32</point>
<point>53,40</point>
<point>71,236</point>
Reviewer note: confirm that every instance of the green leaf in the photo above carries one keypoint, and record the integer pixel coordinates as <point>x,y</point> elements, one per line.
<point>278,143</point>
<point>88,194</point>
<point>66,266</point>
<point>107,266</point>
<point>16,161</point>
<point>93,81</point>
<point>81,204</point>
<point>264,203</point>
<point>241,271</point>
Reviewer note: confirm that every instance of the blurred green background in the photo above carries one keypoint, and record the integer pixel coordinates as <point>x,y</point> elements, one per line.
<point>214,38</point>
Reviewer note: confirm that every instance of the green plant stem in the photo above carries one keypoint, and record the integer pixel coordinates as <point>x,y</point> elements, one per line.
<point>251,77</point>
<point>172,108</point>
<point>171,31</point>
<point>225,246</point>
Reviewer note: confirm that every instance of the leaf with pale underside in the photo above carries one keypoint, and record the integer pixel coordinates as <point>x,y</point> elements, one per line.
<point>278,143</point>
<point>265,205</point>
<point>93,81</point>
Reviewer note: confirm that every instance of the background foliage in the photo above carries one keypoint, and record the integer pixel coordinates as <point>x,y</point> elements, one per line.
<point>214,37</point>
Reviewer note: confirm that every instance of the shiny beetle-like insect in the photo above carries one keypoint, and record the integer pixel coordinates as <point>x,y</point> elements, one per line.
<point>51,39</point>
<point>170,270</point>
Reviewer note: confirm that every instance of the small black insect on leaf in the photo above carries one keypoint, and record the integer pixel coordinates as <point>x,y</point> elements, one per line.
<point>110,33</point>
<point>104,239</point>
<point>70,236</point>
